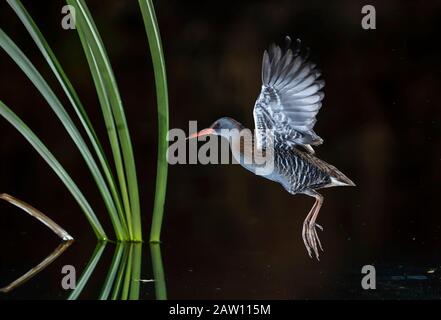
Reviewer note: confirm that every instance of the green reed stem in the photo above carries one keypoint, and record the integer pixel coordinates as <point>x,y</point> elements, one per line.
<point>156,51</point>
<point>126,169</point>
<point>70,92</point>
<point>43,87</point>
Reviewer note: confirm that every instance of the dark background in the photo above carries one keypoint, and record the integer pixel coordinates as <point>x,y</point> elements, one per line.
<point>227,233</point>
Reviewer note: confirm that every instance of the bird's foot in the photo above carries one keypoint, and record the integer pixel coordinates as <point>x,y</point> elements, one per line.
<point>311,239</point>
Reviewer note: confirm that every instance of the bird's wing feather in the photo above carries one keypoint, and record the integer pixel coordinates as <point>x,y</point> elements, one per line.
<point>290,98</point>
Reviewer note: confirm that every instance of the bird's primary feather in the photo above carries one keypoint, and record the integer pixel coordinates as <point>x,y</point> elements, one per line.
<point>290,98</point>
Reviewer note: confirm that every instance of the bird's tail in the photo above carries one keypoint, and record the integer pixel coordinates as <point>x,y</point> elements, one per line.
<point>342,180</point>
<point>338,178</point>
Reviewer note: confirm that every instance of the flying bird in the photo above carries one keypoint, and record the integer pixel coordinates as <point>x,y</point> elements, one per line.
<point>284,116</point>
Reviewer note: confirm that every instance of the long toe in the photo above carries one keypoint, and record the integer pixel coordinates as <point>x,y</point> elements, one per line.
<point>316,235</point>
<point>305,238</point>
<point>313,238</point>
<point>318,240</point>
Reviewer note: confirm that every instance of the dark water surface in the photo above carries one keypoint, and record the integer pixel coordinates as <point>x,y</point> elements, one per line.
<point>209,269</point>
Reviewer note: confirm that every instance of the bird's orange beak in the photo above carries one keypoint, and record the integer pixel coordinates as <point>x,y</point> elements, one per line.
<point>201,133</point>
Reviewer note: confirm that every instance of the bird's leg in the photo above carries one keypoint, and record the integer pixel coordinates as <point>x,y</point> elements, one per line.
<point>305,229</point>
<point>309,232</point>
<point>313,224</point>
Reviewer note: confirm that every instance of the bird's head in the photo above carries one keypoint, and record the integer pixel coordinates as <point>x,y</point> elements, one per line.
<point>221,127</point>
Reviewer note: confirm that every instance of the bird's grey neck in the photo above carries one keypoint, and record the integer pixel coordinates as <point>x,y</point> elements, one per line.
<point>244,150</point>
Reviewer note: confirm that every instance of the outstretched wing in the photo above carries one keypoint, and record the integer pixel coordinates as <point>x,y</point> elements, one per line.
<point>290,98</point>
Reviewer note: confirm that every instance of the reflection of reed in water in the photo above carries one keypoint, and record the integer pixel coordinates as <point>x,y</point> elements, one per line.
<point>158,272</point>
<point>123,278</point>
<point>35,270</point>
<point>40,216</point>
<point>124,274</point>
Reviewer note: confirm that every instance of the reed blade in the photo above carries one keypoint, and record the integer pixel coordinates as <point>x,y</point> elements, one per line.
<point>47,156</point>
<point>114,114</point>
<point>78,107</point>
<point>156,51</point>
<point>34,75</point>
